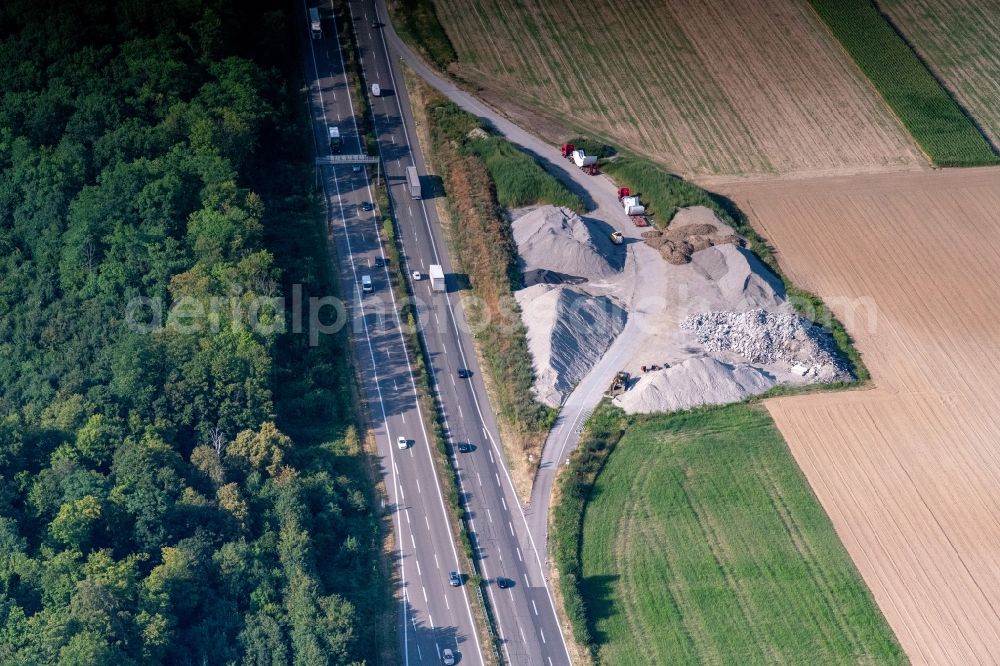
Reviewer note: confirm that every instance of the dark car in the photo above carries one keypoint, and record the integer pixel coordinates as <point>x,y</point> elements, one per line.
<point>379,263</point>
<point>454,578</point>
<point>464,373</point>
<point>504,583</point>
<point>464,447</point>
<point>366,206</point>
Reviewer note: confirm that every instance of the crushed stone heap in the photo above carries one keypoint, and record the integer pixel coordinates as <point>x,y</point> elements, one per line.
<point>765,338</point>
<point>559,241</point>
<point>569,332</point>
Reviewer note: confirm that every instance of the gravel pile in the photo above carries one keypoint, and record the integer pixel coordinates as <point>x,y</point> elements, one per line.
<point>696,381</point>
<point>766,338</point>
<point>559,241</point>
<point>568,332</point>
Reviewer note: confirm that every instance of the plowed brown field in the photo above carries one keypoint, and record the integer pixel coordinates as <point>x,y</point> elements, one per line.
<point>702,86</point>
<point>909,472</point>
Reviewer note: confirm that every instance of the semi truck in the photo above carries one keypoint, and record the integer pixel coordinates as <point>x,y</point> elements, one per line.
<point>436,275</point>
<point>413,181</point>
<point>314,23</point>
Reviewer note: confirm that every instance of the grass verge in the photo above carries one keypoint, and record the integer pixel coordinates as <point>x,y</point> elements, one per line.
<point>481,174</point>
<point>701,541</point>
<point>416,21</point>
<point>663,193</point>
<point>927,110</point>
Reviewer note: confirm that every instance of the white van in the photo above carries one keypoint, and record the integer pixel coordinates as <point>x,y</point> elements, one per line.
<point>376,90</point>
<point>366,283</point>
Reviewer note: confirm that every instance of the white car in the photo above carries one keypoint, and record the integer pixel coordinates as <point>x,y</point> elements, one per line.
<point>448,657</point>
<point>402,442</point>
<point>417,276</point>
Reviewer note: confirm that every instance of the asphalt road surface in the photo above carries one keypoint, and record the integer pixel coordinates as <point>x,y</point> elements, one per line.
<point>434,614</point>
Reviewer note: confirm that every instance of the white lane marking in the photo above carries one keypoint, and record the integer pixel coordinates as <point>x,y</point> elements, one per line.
<point>489,451</point>
<point>420,655</point>
<point>525,579</point>
<point>392,138</point>
<point>497,477</point>
<point>523,637</point>
<point>504,502</point>
<point>534,607</point>
<point>519,558</point>
<point>542,633</point>
<point>417,562</point>
<point>394,386</point>
<point>406,512</point>
<point>436,563</point>
<point>453,381</point>
<point>436,320</point>
<point>438,649</point>
<point>480,479</point>
<point>550,661</point>
<point>409,210</point>
<point>485,434</point>
<point>403,416</point>
<point>511,526</point>
<point>489,515</point>
<point>418,484</point>
<point>413,541</point>
<point>428,523</point>
<point>460,412</point>
<point>446,604</point>
<point>430,620</point>
<point>424,590</point>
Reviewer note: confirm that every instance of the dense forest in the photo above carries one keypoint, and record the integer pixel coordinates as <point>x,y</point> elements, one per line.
<point>192,492</point>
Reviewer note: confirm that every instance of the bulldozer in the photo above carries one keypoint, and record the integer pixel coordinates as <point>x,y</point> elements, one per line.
<point>618,384</point>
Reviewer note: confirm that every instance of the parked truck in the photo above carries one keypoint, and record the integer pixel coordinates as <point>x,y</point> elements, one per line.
<point>436,275</point>
<point>335,141</point>
<point>633,207</point>
<point>314,23</point>
<point>413,181</point>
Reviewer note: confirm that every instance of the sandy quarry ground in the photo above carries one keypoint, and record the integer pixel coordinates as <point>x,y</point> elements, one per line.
<point>702,86</point>
<point>709,326</point>
<point>909,472</point>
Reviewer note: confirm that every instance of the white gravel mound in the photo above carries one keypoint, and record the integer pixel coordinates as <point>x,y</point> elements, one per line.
<point>696,381</point>
<point>767,338</point>
<point>568,332</point>
<point>742,279</point>
<point>558,240</point>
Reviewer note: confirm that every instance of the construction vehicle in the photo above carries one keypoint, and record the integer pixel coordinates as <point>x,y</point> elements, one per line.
<point>567,150</point>
<point>617,237</point>
<point>436,275</point>
<point>314,24</point>
<point>413,182</point>
<point>633,206</point>
<point>618,384</point>
<point>335,142</point>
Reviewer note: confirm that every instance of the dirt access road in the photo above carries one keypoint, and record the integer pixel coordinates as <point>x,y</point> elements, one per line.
<point>909,471</point>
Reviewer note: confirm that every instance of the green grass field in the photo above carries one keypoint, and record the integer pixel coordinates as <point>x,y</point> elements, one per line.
<point>922,104</point>
<point>702,543</point>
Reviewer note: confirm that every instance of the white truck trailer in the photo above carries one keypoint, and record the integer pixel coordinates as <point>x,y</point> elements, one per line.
<point>633,206</point>
<point>413,181</point>
<point>314,24</point>
<point>582,159</point>
<point>436,274</point>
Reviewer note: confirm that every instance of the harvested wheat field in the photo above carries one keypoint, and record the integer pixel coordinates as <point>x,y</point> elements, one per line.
<point>909,471</point>
<point>958,39</point>
<point>704,87</point>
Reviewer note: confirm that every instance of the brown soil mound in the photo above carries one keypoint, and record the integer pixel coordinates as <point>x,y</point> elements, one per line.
<point>677,244</point>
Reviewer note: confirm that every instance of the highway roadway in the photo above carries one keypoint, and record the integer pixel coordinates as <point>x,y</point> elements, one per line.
<point>599,195</point>
<point>433,614</point>
<point>527,624</point>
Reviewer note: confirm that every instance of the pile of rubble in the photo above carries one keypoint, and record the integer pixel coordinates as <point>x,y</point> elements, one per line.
<point>691,230</point>
<point>766,338</point>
